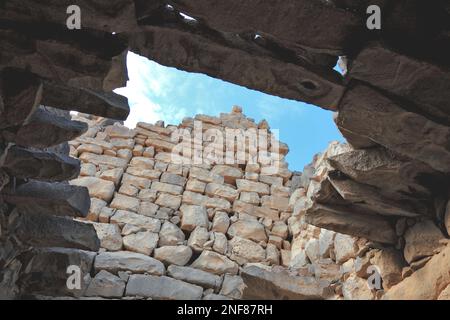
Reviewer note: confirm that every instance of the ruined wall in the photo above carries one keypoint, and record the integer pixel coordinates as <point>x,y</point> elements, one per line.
<point>392,107</point>
<point>171,230</point>
<point>181,230</point>
<point>207,231</point>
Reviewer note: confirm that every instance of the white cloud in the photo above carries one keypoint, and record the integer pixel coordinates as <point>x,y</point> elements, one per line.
<point>156,92</point>
<point>148,92</point>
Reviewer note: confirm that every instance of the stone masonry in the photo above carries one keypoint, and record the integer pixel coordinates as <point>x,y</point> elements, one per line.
<point>174,231</point>
<point>389,185</point>
<point>217,231</point>
<point>208,231</point>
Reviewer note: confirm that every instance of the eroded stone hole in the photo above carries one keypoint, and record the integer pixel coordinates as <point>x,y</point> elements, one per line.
<point>307,84</point>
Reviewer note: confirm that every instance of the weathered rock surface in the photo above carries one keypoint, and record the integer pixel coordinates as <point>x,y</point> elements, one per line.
<point>142,242</point>
<point>247,250</point>
<point>49,198</point>
<point>109,235</point>
<point>381,168</point>
<point>162,288</point>
<point>252,230</point>
<point>127,217</point>
<point>177,255</point>
<point>193,216</point>
<point>46,272</point>
<point>421,83</point>
<point>355,288</point>
<point>262,284</point>
<point>422,240</point>
<point>390,263</point>
<point>345,248</point>
<point>393,106</point>
<point>426,283</point>
<point>194,276</point>
<point>128,261</point>
<point>233,287</point>
<point>51,231</point>
<point>106,285</point>
<point>215,263</point>
<point>48,166</point>
<point>346,221</point>
<point>170,235</point>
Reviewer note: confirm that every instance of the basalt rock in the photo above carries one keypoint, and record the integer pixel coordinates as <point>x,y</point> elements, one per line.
<point>110,16</point>
<point>49,198</point>
<point>50,231</point>
<point>46,270</point>
<point>369,198</point>
<point>105,104</point>
<point>21,93</point>
<point>25,163</point>
<point>44,129</point>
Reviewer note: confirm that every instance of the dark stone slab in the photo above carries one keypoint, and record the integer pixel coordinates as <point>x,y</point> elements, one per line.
<point>368,113</point>
<point>232,58</point>
<point>104,104</point>
<point>313,24</point>
<point>81,58</point>
<point>345,219</point>
<point>45,271</point>
<point>45,129</point>
<point>371,198</point>
<point>20,93</point>
<point>106,15</point>
<point>391,173</point>
<point>24,163</point>
<point>59,199</point>
<point>40,230</point>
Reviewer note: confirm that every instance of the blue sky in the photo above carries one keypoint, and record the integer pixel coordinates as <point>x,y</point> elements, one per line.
<point>156,93</point>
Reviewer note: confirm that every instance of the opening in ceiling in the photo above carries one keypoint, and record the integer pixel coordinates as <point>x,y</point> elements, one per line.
<point>156,92</point>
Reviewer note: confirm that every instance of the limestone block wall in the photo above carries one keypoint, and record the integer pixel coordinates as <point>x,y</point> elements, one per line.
<point>172,230</point>
<point>184,226</point>
<point>205,231</point>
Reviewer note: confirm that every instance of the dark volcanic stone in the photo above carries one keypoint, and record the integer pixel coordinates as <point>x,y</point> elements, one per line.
<point>40,230</point>
<point>39,197</point>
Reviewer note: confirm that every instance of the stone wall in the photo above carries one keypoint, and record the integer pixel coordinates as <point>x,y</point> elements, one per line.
<point>175,231</point>
<point>392,106</point>
<point>171,230</point>
<point>206,231</point>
